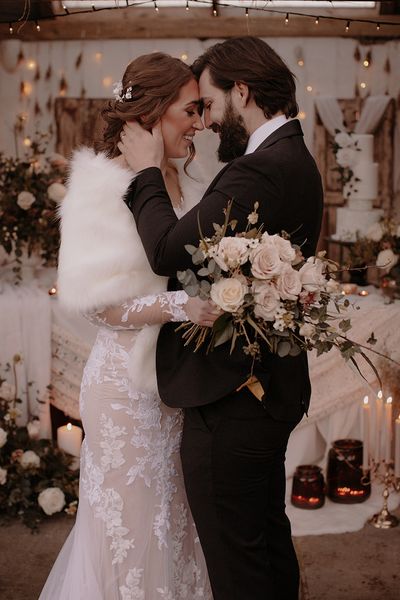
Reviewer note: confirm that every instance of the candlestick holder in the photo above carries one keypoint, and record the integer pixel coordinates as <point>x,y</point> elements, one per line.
<point>383,472</point>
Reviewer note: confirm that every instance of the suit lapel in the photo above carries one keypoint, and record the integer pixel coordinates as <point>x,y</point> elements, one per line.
<point>288,130</point>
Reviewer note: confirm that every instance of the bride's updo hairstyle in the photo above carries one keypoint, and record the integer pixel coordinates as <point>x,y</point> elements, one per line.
<point>151,83</point>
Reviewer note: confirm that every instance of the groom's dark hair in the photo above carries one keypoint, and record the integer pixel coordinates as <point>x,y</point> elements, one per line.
<point>251,61</point>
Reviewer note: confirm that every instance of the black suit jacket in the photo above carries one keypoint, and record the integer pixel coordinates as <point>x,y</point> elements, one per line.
<point>282,176</point>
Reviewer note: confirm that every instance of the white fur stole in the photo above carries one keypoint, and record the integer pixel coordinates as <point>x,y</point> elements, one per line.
<point>102,261</point>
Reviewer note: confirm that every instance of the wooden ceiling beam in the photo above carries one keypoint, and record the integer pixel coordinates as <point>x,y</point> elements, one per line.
<point>197,23</point>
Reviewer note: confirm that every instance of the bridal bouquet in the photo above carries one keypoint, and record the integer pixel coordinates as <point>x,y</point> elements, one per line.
<point>269,293</point>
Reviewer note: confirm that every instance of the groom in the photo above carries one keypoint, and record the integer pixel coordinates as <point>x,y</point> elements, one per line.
<point>233,446</point>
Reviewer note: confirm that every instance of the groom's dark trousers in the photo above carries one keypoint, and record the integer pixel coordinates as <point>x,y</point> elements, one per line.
<point>233,456</point>
<point>233,447</point>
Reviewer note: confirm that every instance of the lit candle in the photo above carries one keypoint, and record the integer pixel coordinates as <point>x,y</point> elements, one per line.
<point>378,425</point>
<point>365,424</point>
<point>69,439</point>
<point>388,429</point>
<point>397,448</point>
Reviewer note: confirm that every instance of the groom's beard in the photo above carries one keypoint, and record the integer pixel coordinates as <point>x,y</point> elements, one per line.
<point>233,135</point>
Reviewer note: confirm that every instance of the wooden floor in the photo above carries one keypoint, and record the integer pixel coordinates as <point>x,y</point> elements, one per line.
<point>356,566</point>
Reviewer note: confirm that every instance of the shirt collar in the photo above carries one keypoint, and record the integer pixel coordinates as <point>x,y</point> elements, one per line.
<point>264,131</point>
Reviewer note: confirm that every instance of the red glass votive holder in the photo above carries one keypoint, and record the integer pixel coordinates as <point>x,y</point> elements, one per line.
<point>308,490</point>
<point>346,481</point>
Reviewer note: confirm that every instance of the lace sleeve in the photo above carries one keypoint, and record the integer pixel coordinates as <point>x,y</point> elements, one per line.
<point>146,310</point>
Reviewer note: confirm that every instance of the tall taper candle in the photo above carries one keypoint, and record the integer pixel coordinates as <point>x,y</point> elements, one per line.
<point>397,448</point>
<point>378,426</point>
<point>388,429</point>
<point>365,428</point>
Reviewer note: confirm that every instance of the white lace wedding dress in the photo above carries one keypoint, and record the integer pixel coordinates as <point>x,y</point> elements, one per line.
<point>134,536</point>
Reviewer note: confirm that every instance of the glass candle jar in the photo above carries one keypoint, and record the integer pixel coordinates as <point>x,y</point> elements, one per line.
<point>346,482</point>
<point>308,490</point>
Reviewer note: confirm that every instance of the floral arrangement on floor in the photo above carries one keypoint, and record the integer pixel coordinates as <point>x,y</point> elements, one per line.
<point>36,479</point>
<point>268,292</point>
<point>345,149</point>
<point>380,245</point>
<point>31,188</point>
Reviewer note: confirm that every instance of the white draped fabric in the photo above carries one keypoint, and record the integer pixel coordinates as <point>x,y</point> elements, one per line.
<point>372,112</point>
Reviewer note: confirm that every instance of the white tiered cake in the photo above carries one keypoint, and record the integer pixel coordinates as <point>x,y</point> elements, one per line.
<point>358,216</point>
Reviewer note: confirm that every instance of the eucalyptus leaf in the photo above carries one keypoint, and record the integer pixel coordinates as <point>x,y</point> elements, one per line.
<point>191,249</point>
<point>283,349</point>
<point>224,335</point>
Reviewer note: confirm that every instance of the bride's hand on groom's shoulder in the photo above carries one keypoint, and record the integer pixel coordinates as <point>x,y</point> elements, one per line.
<point>142,149</point>
<point>202,312</point>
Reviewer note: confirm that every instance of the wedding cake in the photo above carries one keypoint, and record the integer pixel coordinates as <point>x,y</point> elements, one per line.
<point>356,152</point>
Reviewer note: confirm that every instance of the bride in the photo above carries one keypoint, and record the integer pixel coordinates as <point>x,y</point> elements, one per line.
<point>134,537</point>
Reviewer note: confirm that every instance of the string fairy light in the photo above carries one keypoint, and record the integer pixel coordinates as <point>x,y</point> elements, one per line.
<point>10,28</point>
<point>214,4</point>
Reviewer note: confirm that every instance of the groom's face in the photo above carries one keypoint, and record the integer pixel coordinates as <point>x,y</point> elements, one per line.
<point>223,118</point>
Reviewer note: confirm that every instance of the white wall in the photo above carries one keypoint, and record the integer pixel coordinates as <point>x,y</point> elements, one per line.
<point>329,67</point>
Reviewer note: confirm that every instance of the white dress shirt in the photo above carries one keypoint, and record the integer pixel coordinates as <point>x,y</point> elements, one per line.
<point>264,131</point>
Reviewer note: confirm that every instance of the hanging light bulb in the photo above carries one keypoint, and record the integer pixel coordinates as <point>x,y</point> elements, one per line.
<point>66,9</point>
<point>215,9</point>
<point>10,28</point>
<point>287,19</point>
<point>347,26</point>
<point>378,26</point>
<point>37,26</point>
<point>246,12</point>
<point>155,6</point>
<point>187,4</point>
<point>363,85</point>
<point>317,21</point>
<point>366,63</point>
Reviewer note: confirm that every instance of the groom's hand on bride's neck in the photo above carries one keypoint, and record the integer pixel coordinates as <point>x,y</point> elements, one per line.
<point>142,149</point>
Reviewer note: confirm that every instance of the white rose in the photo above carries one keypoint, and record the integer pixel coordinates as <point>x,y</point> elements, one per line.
<point>231,252</point>
<point>289,283</point>
<point>332,286</point>
<point>286,251</point>
<point>228,294</point>
<point>265,261</point>
<point>375,232</point>
<point>56,192</point>
<point>346,157</point>
<point>34,429</point>
<point>3,437</point>
<point>7,391</point>
<point>386,259</point>
<point>311,275</point>
<point>25,200</point>
<point>343,139</point>
<point>29,459</point>
<point>267,300</point>
<point>307,330</point>
<point>51,500</point>
<point>3,476</point>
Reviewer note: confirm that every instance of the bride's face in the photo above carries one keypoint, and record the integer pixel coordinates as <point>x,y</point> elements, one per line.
<point>181,121</point>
